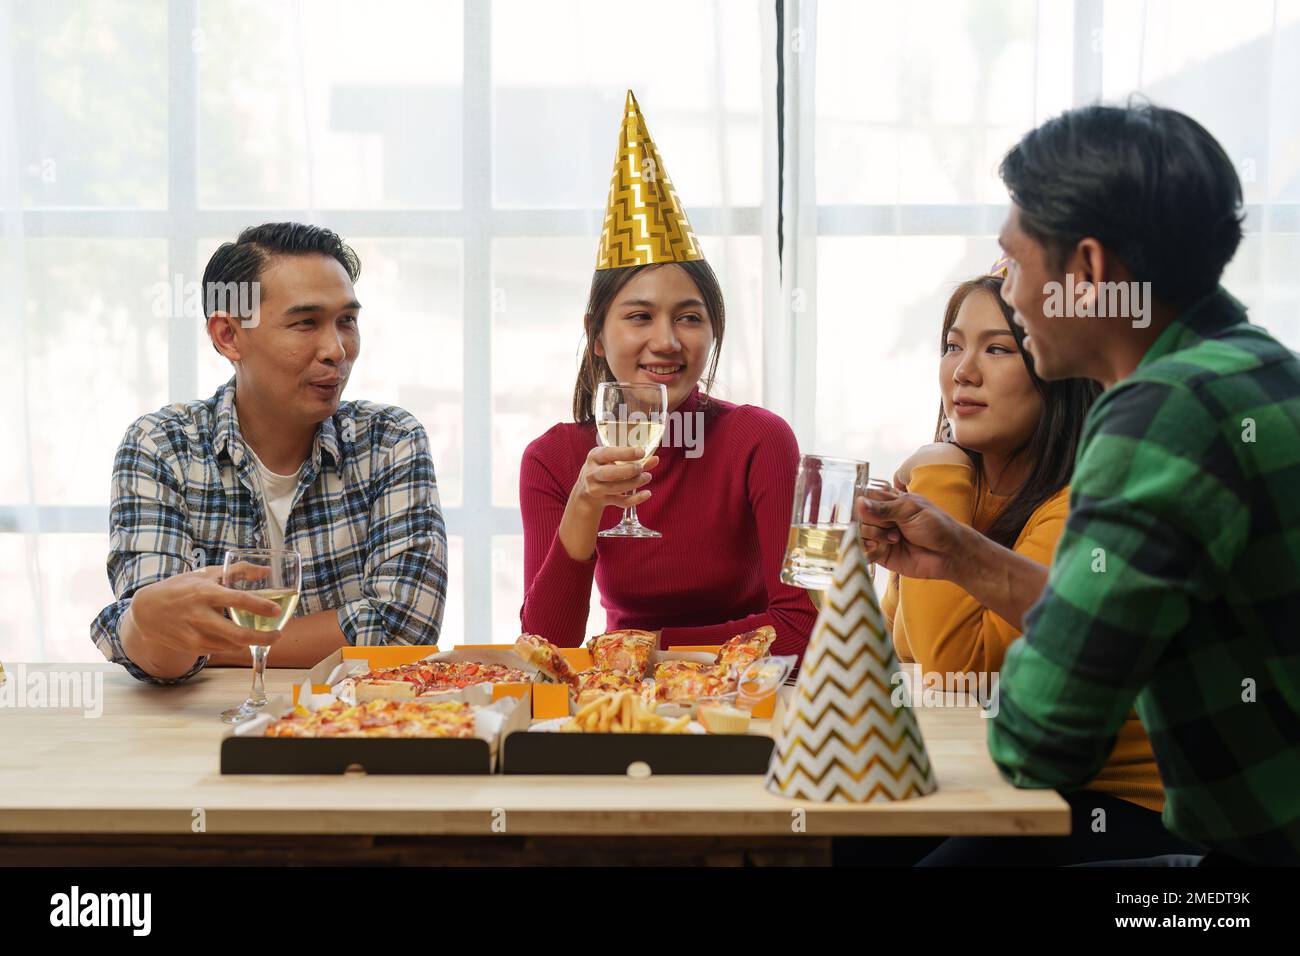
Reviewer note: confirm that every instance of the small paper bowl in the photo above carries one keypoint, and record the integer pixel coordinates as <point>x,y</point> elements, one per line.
<point>704,705</point>
<point>760,679</point>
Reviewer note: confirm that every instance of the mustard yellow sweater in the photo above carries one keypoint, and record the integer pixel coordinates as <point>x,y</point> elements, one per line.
<point>945,630</point>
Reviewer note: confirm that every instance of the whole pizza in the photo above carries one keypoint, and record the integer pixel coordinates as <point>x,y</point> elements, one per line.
<point>378,718</point>
<point>436,677</point>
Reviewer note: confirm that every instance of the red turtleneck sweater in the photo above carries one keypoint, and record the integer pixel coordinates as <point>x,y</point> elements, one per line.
<point>725,518</point>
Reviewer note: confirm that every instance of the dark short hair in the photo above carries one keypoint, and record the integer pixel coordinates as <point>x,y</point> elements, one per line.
<point>244,259</point>
<point>1151,184</point>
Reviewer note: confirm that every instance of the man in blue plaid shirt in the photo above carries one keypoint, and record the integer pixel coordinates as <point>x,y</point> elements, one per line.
<point>274,460</point>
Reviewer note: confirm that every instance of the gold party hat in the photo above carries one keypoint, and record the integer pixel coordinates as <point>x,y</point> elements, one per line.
<point>644,220</point>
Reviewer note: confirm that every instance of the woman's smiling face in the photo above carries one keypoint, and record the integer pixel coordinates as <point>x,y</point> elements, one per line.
<point>988,396</point>
<point>658,331</point>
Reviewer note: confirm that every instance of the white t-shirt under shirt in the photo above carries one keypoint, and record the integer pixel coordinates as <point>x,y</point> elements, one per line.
<point>277,497</point>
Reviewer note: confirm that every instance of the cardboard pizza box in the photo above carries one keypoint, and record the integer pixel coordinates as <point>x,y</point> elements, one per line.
<point>552,752</point>
<point>334,668</point>
<point>579,658</point>
<point>537,752</point>
<point>245,751</point>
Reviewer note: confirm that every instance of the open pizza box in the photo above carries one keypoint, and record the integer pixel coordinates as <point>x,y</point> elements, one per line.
<point>543,749</point>
<point>637,755</point>
<point>547,699</point>
<point>246,750</point>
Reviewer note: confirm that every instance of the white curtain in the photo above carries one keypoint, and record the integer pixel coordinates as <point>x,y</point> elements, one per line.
<point>464,149</point>
<point>913,107</point>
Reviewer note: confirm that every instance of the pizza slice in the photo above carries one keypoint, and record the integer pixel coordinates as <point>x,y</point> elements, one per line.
<point>677,681</point>
<point>622,650</point>
<point>744,648</point>
<point>594,682</point>
<point>546,657</point>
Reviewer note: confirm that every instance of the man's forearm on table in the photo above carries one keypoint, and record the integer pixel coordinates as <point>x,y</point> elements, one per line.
<point>1003,581</point>
<point>304,642</point>
<point>163,663</point>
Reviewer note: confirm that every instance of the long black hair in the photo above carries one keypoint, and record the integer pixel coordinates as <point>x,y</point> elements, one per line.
<point>1051,449</point>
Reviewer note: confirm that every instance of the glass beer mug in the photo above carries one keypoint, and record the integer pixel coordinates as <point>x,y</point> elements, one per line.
<point>824,492</point>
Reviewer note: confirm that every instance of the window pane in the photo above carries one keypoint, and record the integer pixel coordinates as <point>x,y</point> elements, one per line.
<point>90,87</point>
<point>738,262</point>
<point>508,591</point>
<point>1238,76</point>
<point>878,358</point>
<point>886,415</point>
<point>918,102</point>
<point>540,288</point>
<point>539,291</point>
<point>453,617</point>
<point>560,72</point>
<point>1265,276</point>
<point>411,335</point>
<point>94,340</point>
<point>54,585</point>
<point>312,105</point>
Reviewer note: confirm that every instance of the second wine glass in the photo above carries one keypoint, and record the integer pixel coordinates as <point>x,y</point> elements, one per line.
<point>631,414</point>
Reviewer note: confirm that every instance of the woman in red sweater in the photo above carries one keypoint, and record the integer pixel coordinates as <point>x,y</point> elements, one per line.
<point>722,504</point>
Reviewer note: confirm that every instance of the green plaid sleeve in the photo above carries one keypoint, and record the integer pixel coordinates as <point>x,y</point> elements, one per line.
<point>1156,514</point>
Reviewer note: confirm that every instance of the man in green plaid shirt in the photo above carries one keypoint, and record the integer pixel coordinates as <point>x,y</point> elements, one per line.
<point>1175,587</point>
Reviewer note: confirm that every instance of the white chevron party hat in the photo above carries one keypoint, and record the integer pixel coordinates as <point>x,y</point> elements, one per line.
<point>844,738</point>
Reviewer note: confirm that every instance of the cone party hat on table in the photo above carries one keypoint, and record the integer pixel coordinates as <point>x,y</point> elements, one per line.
<point>644,220</point>
<point>844,738</point>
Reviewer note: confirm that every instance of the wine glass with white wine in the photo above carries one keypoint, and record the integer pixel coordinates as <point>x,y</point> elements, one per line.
<point>277,577</point>
<point>631,414</point>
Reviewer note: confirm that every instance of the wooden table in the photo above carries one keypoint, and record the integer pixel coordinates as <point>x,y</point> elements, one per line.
<point>140,784</point>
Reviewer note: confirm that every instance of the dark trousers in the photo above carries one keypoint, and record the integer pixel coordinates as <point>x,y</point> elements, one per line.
<point>1130,832</point>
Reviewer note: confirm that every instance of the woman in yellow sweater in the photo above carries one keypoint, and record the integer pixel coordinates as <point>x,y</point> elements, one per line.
<point>1003,453</point>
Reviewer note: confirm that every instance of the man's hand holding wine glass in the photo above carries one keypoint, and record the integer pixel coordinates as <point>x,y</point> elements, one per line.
<point>173,622</point>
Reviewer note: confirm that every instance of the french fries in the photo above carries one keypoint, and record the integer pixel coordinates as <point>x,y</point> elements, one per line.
<point>622,712</point>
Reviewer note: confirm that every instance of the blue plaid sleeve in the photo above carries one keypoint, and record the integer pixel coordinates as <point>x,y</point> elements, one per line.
<point>149,539</point>
<point>404,583</point>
